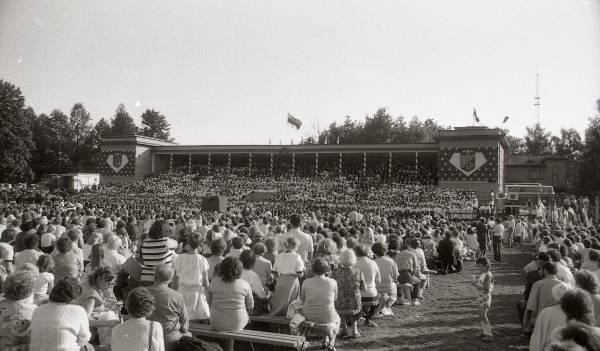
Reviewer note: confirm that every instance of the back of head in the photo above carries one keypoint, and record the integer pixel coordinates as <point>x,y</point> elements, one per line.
<point>581,334</point>
<point>64,245</point>
<point>113,242</point>
<point>295,220</point>
<point>159,229</point>
<point>578,306</point>
<point>65,290</point>
<point>163,273</point>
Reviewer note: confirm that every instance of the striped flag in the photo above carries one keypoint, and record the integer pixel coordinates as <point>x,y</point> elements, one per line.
<point>294,121</point>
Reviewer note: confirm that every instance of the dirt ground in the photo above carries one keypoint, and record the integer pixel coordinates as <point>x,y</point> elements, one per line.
<point>447,320</point>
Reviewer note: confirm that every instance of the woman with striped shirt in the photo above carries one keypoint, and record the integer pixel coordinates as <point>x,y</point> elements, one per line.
<point>156,249</point>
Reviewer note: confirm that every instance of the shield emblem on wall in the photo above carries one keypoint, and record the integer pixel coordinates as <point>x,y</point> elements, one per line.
<point>117,161</point>
<point>467,160</point>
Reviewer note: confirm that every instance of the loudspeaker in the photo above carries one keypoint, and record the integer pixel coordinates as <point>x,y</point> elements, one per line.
<point>214,203</point>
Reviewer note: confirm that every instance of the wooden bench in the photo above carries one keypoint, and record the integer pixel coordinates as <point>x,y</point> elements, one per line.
<point>280,322</point>
<point>284,341</point>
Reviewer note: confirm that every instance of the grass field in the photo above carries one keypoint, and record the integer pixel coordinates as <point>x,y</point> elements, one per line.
<point>447,320</point>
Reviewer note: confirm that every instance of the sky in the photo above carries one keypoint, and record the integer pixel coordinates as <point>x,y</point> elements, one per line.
<point>229,72</point>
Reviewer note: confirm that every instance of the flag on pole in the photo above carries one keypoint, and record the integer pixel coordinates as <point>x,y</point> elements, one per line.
<point>475,115</point>
<point>294,121</point>
<point>505,119</point>
<point>338,140</point>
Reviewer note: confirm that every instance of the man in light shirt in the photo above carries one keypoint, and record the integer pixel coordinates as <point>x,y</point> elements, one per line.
<point>498,233</point>
<point>305,247</point>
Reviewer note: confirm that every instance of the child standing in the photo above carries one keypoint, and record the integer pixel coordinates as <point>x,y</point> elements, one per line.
<point>485,286</point>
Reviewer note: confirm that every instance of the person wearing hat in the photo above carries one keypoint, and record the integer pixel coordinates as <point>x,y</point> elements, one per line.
<point>549,319</point>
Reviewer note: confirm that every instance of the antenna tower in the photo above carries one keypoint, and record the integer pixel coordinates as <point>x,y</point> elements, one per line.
<point>537,98</point>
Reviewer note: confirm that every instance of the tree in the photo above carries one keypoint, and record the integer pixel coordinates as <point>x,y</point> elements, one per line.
<point>58,147</point>
<point>379,128</point>
<point>589,172</point>
<point>155,125</point>
<point>430,131</point>
<point>40,157</point>
<point>79,130</point>
<point>537,141</point>
<point>16,141</point>
<point>122,123</point>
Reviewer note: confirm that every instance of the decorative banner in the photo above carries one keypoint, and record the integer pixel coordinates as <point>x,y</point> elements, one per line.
<point>316,164</point>
<point>189,163</point>
<point>171,163</point>
<point>117,163</point>
<point>250,161</point>
<point>474,164</point>
<point>293,164</point>
<point>364,170</point>
<point>271,166</point>
<point>340,165</point>
<point>228,163</point>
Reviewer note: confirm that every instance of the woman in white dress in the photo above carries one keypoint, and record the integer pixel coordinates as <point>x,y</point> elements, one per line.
<point>191,269</point>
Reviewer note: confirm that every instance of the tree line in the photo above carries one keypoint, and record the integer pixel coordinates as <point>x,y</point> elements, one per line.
<point>33,145</point>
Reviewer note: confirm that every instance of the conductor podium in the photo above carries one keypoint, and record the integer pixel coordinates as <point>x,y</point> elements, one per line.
<point>214,203</point>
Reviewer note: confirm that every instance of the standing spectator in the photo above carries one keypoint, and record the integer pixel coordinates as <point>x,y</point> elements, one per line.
<point>485,285</point>
<point>540,296</point>
<point>289,266</point>
<point>191,270</point>
<point>155,250</point>
<point>305,241</point>
<point>498,234</point>
<point>549,319</point>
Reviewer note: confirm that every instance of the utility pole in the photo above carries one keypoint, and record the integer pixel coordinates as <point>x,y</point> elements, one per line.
<point>537,98</point>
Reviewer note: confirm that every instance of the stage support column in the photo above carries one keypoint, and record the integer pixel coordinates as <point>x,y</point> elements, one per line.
<point>293,164</point>
<point>417,162</point>
<point>390,166</point>
<point>229,163</point>
<point>209,162</point>
<point>189,163</point>
<point>271,165</point>
<point>171,163</point>
<point>317,163</point>
<point>153,164</point>
<point>340,166</point>
<point>364,169</point>
<point>250,162</point>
